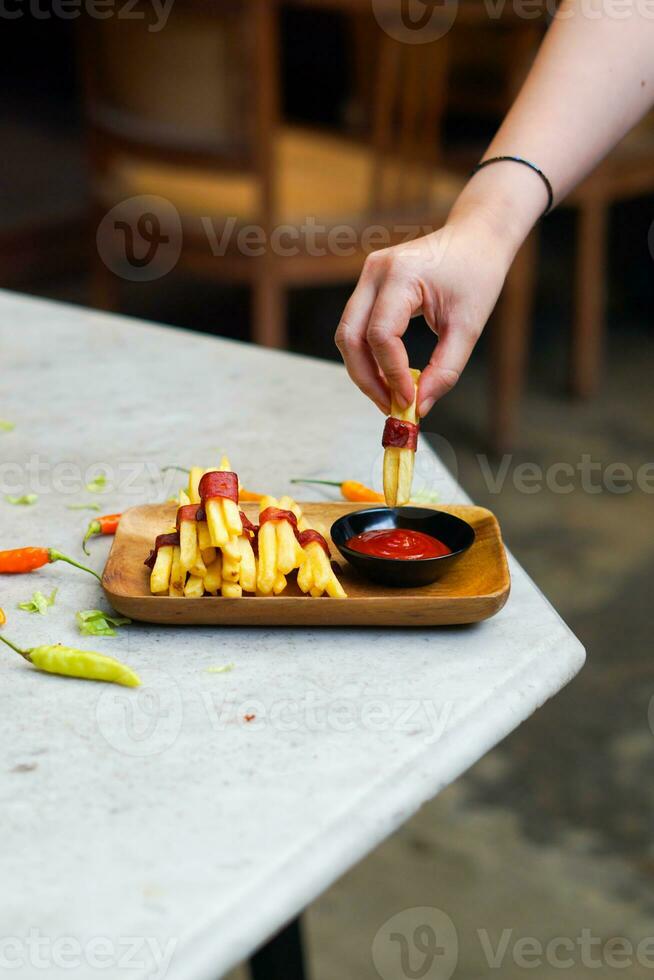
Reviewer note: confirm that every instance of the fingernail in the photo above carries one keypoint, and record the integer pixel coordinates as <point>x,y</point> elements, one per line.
<point>426,407</point>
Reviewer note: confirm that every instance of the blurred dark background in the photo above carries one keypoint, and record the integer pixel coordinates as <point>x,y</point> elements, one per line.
<point>88,119</point>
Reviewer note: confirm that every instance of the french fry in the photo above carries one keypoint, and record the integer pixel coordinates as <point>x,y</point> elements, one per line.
<point>248,566</point>
<point>204,538</point>
<point>194,588</point>
<point>334,589</point>
<point>207,551</point>
<point>230,590</point>
<point>194,478</point>
<point>232,548</point>
<point>305,576</point>
<point>231,513</point>
<point>231,568</point>
<point>177,574</point>
<point>200,567</point>
<point>290,554</point>
<point>188,544</point>
<point>315,592</point>
<point>160,577</point>
<point>217,530</point>
<point>213,579</point>
<point>320,566</point>
<point>267,539</point>
<point>398,463</point>
<point>279,584</point>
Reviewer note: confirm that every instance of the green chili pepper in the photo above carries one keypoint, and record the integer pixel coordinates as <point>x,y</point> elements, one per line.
<point>69,662</point>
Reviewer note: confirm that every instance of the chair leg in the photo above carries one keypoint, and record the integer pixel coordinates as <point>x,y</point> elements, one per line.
<point>588,326</point>
<point>104,287</point>
<point>282,958</point>
<point>510,333</point>
<point>269,325</point>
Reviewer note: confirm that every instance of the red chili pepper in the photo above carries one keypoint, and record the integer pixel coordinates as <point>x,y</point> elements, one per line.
<point>21,560</point>
<point>101,525</point>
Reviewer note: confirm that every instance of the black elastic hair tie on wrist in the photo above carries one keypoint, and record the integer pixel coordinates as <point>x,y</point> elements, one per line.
<point>525,163</point>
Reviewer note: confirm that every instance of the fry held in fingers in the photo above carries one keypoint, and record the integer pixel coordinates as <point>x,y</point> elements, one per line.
<point>400,442</point>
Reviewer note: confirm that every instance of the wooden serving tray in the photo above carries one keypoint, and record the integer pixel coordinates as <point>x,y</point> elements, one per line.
<point>476,587</point>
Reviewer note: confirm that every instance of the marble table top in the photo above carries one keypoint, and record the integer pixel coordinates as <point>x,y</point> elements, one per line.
<point>157,832</point>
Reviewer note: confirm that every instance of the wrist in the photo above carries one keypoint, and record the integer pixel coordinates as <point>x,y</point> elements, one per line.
<point>507,198</point>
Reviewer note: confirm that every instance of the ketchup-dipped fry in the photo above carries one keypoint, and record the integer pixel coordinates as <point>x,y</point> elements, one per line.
<point>399,450</point>
<point>177,574</point>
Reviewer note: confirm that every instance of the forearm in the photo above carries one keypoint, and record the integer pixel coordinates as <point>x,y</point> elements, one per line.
<point>591,82</point>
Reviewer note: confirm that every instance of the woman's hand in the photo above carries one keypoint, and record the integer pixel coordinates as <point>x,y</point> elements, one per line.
<point>453,277</point>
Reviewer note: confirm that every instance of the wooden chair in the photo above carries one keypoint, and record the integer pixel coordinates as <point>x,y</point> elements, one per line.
<point>209,137</point>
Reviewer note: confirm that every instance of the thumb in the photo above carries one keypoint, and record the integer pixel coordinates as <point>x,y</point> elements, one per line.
<point>450,356</point>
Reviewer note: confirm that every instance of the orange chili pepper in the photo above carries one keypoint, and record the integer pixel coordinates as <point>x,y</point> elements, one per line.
<point>21,560</point>
<point>3,618</point>
<point>351,490</point>
<point>101,525</point>
<point>244,494</point>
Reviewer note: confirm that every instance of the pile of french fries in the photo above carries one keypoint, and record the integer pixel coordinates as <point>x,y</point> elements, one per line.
<point>398,463</point>
<point>216,556</point>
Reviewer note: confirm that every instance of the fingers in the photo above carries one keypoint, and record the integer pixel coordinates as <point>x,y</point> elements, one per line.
<point>352,343</point>
<point>389,319</point>
<point>445,367</point>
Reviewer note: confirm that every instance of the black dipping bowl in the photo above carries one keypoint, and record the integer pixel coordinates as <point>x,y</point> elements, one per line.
<point>458,535</point>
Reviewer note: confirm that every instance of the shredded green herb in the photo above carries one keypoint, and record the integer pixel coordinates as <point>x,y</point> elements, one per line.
<point>6,426</point>
<point>95,622</point>
<point>98,484</point>
<point>26,500</point>
<point>83,507</point>
<point>425,497</point>
<point>225,669</point>
<point>39,603</point>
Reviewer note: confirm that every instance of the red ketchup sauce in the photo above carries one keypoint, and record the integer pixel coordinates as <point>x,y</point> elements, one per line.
<point>398,543</point>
